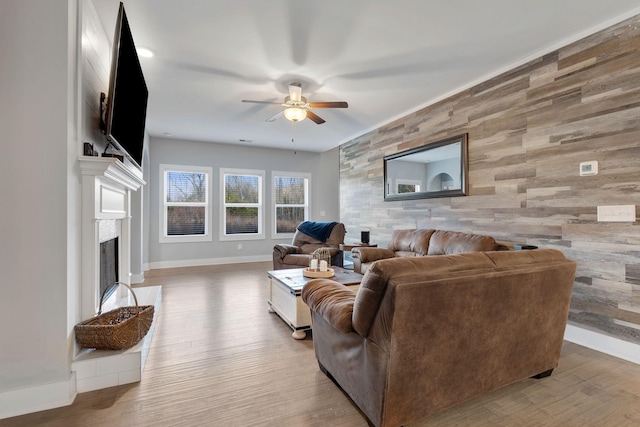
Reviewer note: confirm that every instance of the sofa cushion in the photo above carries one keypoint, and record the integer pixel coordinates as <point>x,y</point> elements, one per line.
<point>282,250</point>
<point>405,254</point>
<point>506,259</point>
<point>375,281</point>
<point>452,242</point>
<point>416,241</point>
<point>299,260</point>
<point>335,238</point>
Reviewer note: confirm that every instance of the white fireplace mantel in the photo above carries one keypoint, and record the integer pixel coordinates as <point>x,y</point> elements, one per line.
<point>113,170</point>
<point>107,184</point>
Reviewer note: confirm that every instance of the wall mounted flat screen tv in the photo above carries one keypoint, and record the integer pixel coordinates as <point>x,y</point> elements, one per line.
<point>126,108</point>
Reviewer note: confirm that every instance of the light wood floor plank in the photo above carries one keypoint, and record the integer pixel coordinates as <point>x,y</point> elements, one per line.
<point>219,358</point>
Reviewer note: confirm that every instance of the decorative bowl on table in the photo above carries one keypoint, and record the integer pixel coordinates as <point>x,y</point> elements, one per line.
<point>317,273</point>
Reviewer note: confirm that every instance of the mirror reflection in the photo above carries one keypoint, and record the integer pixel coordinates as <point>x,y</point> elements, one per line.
<point>434,170</point>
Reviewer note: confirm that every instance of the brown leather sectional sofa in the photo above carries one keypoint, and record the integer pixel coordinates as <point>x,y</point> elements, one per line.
<point>423,242</point>
<point>424,333</point>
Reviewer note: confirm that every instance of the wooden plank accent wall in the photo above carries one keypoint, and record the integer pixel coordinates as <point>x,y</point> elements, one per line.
<point>529,129</point>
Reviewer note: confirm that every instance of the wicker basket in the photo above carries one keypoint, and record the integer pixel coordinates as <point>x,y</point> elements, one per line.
<point>117,329</point>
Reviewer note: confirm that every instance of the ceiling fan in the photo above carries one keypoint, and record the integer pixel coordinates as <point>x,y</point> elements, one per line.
<point>297,107</point>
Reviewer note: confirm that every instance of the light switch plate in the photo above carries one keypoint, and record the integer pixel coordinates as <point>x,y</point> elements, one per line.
<point>620,213</point>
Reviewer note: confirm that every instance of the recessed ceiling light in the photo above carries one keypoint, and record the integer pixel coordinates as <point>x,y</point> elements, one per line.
<point>145,52</point>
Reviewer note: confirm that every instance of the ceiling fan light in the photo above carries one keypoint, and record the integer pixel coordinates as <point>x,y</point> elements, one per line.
<point>295,114</point>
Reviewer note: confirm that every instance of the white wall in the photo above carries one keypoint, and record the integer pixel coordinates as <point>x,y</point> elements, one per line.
<point>404,170</point>
<point>139,222</point>
<point>450,167</point>
<point>38,102</point>
<point>55,62</point>
<point>146,200</point>
<point>323,167</point>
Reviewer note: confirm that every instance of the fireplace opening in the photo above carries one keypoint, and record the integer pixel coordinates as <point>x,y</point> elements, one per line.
<point>108,267</point>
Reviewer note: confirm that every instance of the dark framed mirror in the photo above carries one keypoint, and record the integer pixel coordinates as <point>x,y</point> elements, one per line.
<point>438,169</point>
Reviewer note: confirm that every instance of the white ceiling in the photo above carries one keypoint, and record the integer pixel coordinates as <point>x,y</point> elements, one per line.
<point>386,58</point>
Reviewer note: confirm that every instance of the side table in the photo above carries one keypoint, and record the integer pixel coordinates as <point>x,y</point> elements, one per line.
<point>347,260</point>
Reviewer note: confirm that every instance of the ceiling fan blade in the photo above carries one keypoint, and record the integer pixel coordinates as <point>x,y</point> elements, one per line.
<point>274,117</point>
<point>315,118</point>
<point>295,91</point>
<point>328,105</point>
<point>261,102</point>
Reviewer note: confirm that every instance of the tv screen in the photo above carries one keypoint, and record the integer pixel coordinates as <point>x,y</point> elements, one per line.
<point>127,99</point>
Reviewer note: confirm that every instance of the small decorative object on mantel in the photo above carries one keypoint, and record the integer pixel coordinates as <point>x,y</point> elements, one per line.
<point>117,329</point>
<point>88,149</point>
<point>110,151</point>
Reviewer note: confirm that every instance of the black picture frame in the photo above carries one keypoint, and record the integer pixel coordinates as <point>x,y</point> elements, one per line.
<point>436,169</point>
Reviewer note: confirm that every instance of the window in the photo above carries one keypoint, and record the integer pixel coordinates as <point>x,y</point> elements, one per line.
<point>291,202</point>
<point>407,186</point>
<point>185,203</point>
<point>242,217</point>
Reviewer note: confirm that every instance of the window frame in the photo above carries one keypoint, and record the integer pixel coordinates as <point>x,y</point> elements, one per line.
<point>275,206</point>
<point>415,182</point>
<point>260,235</point>
<point>163,237</point>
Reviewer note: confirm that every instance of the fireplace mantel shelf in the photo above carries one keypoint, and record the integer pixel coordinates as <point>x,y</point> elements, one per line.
<point>111,168</point>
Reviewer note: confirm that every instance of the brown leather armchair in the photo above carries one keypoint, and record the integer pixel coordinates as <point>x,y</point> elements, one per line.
<point>298,253</point>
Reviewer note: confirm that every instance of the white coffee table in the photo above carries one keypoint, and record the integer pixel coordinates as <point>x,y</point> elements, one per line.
<point>284,296</point>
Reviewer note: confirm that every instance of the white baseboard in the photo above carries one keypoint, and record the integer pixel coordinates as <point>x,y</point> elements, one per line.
<point>604,344</point>
<point>208,261</point>
<point>37,398</point>
<point>137,278</point>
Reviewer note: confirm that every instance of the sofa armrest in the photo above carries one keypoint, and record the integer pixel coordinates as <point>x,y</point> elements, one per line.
<point>371,254</point>
<point>331,300</point>
<point>283,250</point>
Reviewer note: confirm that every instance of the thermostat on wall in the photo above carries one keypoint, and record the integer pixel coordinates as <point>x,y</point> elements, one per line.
<point>589,168</point>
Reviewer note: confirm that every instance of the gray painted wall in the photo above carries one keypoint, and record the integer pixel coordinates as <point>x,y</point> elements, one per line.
<point>323,167</point>
<point>39,262</point>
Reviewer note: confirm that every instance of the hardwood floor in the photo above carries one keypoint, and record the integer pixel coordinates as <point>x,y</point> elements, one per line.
<point>218,358</point>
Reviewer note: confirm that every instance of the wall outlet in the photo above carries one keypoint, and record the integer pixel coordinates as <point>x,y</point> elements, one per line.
<point>322,213</point>
<point>239,246</point>
<point>620,213</point>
